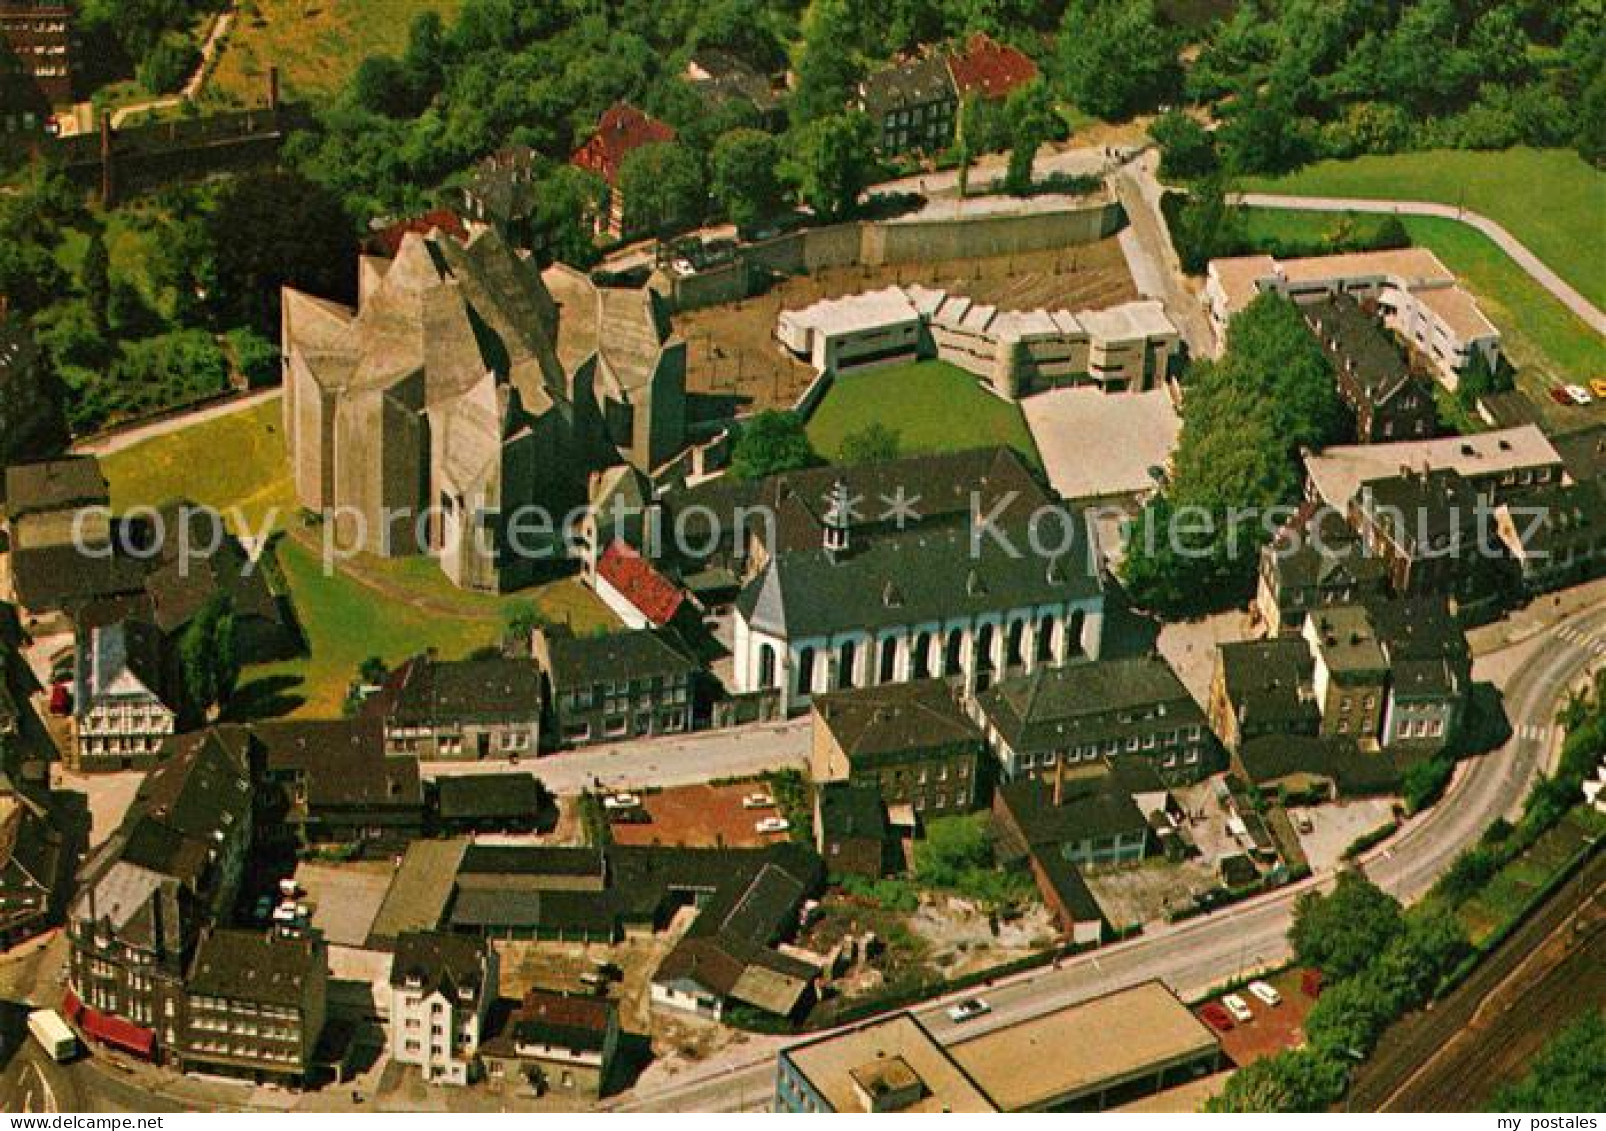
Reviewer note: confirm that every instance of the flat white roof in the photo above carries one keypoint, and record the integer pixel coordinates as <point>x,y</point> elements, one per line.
<point>868,310</point>
<point>1339,472</point>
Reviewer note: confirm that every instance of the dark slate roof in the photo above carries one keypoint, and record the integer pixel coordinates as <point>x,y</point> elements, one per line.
<point>1422,512</point>
<point>917,576</point>
<point>1550,518</point>
<point>200,792</point>
<point>1070,888</point>
<point>567,912</point>
<point>133,646</point>
<point>730,78</point>
<point>897,720</point>
<point>256,966</point>
<point>1320,549</point>
<point>580,661</point>
<point>426,691</point>
<point>1269,681</point>
<point>852,812</point>
<point>55,485</point>
<point>906,85</point>
<point>490,797</point>
<point>440,961</point>
<point>1420,628</point>
<point>184,578</point>
<point>532,860</point>
<point>1055,706</point>
<point>339,762</point>
<point>61,577</point>
<point>1093,804</point>
<point>1358,345</point>
<point>1271,757</point>
<point>786,512</point>
<point>570,1021</point>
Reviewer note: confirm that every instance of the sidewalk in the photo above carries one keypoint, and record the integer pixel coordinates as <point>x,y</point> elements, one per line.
<point>1539,616</point>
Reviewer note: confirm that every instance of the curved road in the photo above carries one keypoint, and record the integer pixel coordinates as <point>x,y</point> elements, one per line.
<point>1194,956</point>
<point>1527,260</point>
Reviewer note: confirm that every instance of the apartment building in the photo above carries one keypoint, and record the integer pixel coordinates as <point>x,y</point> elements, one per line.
<point>441,990</point>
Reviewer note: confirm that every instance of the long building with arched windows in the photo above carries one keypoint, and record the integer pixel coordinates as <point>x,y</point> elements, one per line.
<point>957,566</point>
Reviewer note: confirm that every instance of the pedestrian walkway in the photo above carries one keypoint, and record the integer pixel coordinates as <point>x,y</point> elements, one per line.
<point>1592,315</point>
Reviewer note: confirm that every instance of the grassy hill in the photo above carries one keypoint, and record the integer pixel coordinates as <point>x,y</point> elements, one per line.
<point>1550,199</point>
<point>316,44</point>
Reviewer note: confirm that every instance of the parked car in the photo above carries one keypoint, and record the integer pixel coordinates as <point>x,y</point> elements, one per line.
<point>1217,1018</point>
<point>1579,395</point>
<point>1560,395</point>
<point>968,1010</point>
<point>1303,823</point>
<point>1238,1007</point>
<point>1310,983</point>
<point>758,801</point>
<point>1265,993</point>
<point>772,825</point>
<point>621,801</point>
<point>61,699</point>
<point>1598,387</point>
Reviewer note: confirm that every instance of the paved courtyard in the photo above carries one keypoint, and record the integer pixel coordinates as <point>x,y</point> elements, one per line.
<point>1335,827</point>
<point>345,898</point>
<point>1100,444</point>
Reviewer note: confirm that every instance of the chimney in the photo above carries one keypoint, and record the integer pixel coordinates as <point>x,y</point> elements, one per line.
<point>838,518</point>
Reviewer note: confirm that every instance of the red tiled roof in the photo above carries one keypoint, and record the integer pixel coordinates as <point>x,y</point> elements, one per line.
<point>990,69</point>
<point>658,598</point>
<point>621,130</point>
<point>388,241</point>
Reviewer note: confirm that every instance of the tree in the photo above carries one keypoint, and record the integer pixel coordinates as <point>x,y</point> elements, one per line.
<point>826,73</point>
<point>663,189</point>
<point>1340,933</point>
<point>208,659</point>
<point>1206,226</point>
<point>1032,123</point>
<point>871,444</point>
<point>276,230</point>
<point>1187,149</point>
<point>1568,1075</point>
<point>168,65</point>
<point>1350,1016</point>
<point>833,163</point>
<point>771,442</point>
<point>1292,1081</point>
<point>745,174</point>
<point>95,276</point>
<point>1115,57</point>
<point>33,419</point>
<point>1236,472</point>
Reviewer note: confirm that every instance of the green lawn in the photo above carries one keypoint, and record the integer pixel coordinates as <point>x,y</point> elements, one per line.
<point>407,605</point>
<point>1544,340</point>
<point>234,461</point>
<point>1507,895</point>
<point>933,406</point>
<point>1550,199</point>
<point>316,44</point>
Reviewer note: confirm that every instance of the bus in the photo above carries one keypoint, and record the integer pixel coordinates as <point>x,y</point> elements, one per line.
<point>53,1034</point>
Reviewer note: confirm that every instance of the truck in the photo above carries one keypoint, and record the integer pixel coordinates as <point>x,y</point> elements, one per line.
<point>53,1034</point>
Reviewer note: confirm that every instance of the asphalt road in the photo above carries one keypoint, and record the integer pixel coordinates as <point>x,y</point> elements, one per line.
<point>1194,956</point>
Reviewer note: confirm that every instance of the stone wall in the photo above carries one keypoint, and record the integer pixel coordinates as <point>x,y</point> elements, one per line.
<point>889,243</point>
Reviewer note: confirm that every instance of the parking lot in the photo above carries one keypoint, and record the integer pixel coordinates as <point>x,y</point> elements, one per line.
<point>1337,826</point>
<point>700,816</point>
<point>1273,1028</point>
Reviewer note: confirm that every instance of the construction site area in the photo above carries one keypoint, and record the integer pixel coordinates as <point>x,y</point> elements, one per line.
<point>736,366</point>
